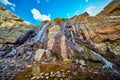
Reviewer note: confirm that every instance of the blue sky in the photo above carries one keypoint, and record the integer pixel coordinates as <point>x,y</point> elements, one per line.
<point>35,11</point>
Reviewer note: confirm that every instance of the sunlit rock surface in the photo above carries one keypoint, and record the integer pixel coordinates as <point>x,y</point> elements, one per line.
<point>11,26</point>
<point>82,47</point>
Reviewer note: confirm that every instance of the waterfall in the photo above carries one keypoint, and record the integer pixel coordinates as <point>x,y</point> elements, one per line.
<point>13,52</point>
<point>77,47</point>
<point>107,65</point>
<point>39,37</point>
<point>73,39</point>
<point>43,36</point>
<point>40,33</point>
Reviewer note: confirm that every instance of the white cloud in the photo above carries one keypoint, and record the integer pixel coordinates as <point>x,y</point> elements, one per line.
<point>13,8</point>
<point>38,1</point>
<point>86,0</point>
<point>7,2</point>
<point>38,16</point>
<point>91,10</point>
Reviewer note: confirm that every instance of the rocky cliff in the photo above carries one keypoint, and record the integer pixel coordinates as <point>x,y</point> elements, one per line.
<point>11,26</point>
<point>112,9</point>
<point>83,43</point>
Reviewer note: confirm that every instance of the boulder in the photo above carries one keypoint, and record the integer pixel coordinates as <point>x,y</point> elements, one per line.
<point>39,55</point>
<point>82,62</point>
<point>43,55</point>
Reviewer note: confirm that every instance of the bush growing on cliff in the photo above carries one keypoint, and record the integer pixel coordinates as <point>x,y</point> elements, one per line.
<point>19,20</point>
<point>58,20</point>
<point>45,21</point>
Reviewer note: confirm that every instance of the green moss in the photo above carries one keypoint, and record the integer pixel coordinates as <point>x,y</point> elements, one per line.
<point>22,75</point>
<point>67,60</point>
<point>28,73</point>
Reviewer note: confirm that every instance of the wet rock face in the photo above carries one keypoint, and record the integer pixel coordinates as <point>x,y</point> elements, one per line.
<point>23,38</point>
<point>58,44</point>
<point>70,40</point>
<point>103,29</point>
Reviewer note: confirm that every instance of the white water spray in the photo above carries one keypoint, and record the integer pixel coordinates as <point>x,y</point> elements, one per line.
<point>107,65</point>
<point>41,33</point>
<point>39,37</point>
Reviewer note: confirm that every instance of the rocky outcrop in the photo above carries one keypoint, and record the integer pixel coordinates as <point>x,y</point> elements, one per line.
<point>104,31</point>
<point>39,55</point>
<point>80,40</point>
<point>58,44</point>
<point>112,9</point>
<point>104,28</point>
<point>11,26</point>
<point>42,55</point>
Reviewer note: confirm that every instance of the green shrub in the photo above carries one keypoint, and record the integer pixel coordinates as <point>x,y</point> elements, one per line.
<point>58,20</point>
<point>45,21</point>
<point>19,20</point>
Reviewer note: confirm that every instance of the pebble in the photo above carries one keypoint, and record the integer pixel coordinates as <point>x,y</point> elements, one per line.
<point>74,73</point>
<point>62,70</point>
<point>46,74</point>
<point>68,71</point>
<point>58,72</point>
<point>63,75</point>
<point>33,77</point>
<point>28,66</point>
<point>51,72</point>
<point>58,76</point>
<point>95,72</point>
<point>82,62</point>
<point>37,77</point>
<point>61,79</point>
<point>18,69</point>
<point>26,76</point>
<point>41,77</point>
<point>41,73</point>
<point>52,75</point>
<point>47,77</point>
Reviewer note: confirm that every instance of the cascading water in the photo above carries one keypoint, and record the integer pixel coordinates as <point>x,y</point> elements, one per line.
<point>107,65</point>
<point>77,47</point>
<point>41,33</point>
<point>73,39</point>
<point>13,52</point>
<point>39,37</point>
